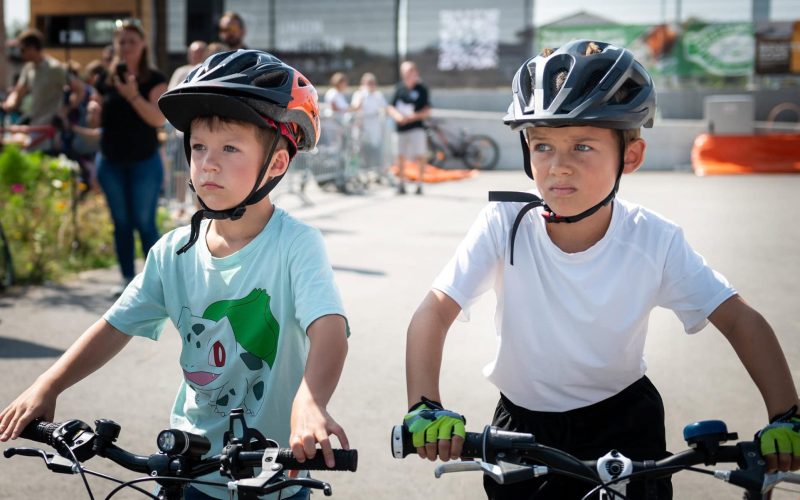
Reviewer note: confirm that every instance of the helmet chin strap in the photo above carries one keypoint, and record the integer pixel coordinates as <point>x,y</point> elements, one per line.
<point>532,201</point>
<point>256,195</point>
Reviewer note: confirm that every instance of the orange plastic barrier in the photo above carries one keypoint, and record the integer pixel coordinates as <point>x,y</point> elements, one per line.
<point>434,174</point>
<point>746,154</point>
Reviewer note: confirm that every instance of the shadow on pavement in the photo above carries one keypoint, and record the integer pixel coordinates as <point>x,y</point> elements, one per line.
<point>13,348</point>
<point>357,270</point>
<point>91,300</point>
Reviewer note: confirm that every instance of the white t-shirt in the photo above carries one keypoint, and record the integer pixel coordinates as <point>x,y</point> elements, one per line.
<point>370,115</point>
<point>336,99</point>
<point>242,320</point>
<point>370,103</point>
<point>572,327</point>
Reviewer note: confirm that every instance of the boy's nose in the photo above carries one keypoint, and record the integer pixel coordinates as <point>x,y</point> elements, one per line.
<point>208,162</point>
<point>560,163</point>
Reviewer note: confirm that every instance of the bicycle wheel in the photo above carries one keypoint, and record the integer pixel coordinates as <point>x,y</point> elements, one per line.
<point>481,152</point>
<point>6,265</point>
<point>436,153</point>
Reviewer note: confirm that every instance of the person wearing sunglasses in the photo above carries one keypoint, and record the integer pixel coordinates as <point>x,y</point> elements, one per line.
<point>232,30</point>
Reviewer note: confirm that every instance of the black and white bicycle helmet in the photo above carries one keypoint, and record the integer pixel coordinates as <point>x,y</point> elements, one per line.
<point>250,86</point>
<point>583,82</point>
<point>608,89</point>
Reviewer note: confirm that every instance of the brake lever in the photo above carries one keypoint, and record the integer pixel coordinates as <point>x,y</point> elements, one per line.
<point>55,463</point>
<point>771,480</point>
<point>464,466</point>
<point>502,473</point>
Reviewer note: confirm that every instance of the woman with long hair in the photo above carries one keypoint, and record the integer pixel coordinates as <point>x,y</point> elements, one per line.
<point>129,166</point>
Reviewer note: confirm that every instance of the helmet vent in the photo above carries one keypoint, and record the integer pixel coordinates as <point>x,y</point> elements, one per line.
<point>626,93</point>
<point>301,82</point>
<point>556,82</point>
<point>273,79</point>
<point>589,86</point>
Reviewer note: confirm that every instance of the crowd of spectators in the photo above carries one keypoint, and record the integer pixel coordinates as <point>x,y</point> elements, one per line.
<point>105,116</point>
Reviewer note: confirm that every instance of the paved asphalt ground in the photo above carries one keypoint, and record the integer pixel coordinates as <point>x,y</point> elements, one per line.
<point>386,250</point>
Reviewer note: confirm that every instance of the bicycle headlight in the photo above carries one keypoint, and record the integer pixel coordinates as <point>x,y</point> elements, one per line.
<point>177,442</point>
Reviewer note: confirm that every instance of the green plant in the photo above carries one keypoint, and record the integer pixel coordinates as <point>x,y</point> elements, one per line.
<point>50,233</point>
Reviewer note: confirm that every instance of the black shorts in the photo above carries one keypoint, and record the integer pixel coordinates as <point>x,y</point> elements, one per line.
<point>631,422</point>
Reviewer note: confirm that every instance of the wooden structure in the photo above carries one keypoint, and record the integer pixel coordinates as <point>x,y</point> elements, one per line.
<point>79,29</point>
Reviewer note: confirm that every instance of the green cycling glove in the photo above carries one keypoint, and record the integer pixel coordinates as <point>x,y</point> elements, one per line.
<point>428,422</point>
<point>782,435</point>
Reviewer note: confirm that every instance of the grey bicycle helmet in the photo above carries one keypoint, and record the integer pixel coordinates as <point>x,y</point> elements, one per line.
<point>250,86</point>
<point>608,89</point>
<point>582,83</point>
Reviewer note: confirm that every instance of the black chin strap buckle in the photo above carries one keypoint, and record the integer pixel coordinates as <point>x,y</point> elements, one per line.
<point>237,213</point>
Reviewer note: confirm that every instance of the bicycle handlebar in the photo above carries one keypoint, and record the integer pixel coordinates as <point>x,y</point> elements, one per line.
<point>52,433</point>
<point>509,450</point>
<point>180,460</point>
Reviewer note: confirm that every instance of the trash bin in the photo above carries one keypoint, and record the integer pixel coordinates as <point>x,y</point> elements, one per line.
<point>730,114</point>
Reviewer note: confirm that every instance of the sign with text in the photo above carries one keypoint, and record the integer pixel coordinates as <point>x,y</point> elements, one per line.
<point>778,48</point>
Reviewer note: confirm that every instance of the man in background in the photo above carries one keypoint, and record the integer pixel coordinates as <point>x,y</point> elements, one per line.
<point>232,30</point>
<point>42,78</point>
<point>409,107</point>
<point>195,54</point>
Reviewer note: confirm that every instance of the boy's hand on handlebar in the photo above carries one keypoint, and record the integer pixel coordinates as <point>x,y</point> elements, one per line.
<point>312,424</point>
<point>435,431</point>
<point>35,401</point>
<point>780,442</point>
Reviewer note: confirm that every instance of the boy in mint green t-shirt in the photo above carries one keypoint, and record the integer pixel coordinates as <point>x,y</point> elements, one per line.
<point>249,288</point>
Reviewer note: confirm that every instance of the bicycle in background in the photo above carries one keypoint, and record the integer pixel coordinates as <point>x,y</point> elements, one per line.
<point>179,462</point>
<point>6,264</point>
<point>510,457</point>
<point>474,150</point>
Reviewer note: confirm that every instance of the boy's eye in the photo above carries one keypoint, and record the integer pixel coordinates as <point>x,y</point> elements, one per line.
<point>197,147</point>
<point>582,147</point>
<point>230,149</point>
<point>540,148</point>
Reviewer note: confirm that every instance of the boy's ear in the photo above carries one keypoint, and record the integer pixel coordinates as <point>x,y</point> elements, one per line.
<point>280,163</point>
<point>634,156</point>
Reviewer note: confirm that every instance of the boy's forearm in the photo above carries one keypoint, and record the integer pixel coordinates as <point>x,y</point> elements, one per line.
<point>423,363</point>
<point>325,361</point>
<point>425,344</point>
<point>98,344</point>
<point>759,351</point>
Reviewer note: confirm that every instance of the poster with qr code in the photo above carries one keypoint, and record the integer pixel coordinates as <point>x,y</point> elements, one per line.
<point>468,39</point>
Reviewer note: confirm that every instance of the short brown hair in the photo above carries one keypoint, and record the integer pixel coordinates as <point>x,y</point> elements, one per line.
<point>265,135</point>
<point>234,16</point>
<point>338,78</point>
<point>31,38</point>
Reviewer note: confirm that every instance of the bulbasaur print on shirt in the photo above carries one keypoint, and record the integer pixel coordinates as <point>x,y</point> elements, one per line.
<point>229,338</point>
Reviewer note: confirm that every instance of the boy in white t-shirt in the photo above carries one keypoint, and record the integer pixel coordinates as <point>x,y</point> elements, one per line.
<point>576,274</point>
<point>250,291</point>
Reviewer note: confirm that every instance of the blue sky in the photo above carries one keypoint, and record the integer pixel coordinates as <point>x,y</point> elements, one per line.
<point>623,11</point>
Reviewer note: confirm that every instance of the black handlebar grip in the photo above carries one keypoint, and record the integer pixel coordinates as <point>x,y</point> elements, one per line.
<point>40,431</point>
<point>346,460</point>
<point>402,445</point>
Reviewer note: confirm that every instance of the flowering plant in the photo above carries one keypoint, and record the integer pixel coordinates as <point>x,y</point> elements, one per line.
<point>53,223</point>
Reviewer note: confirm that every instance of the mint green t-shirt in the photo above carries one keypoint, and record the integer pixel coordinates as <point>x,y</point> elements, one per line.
<point>242,320</point>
